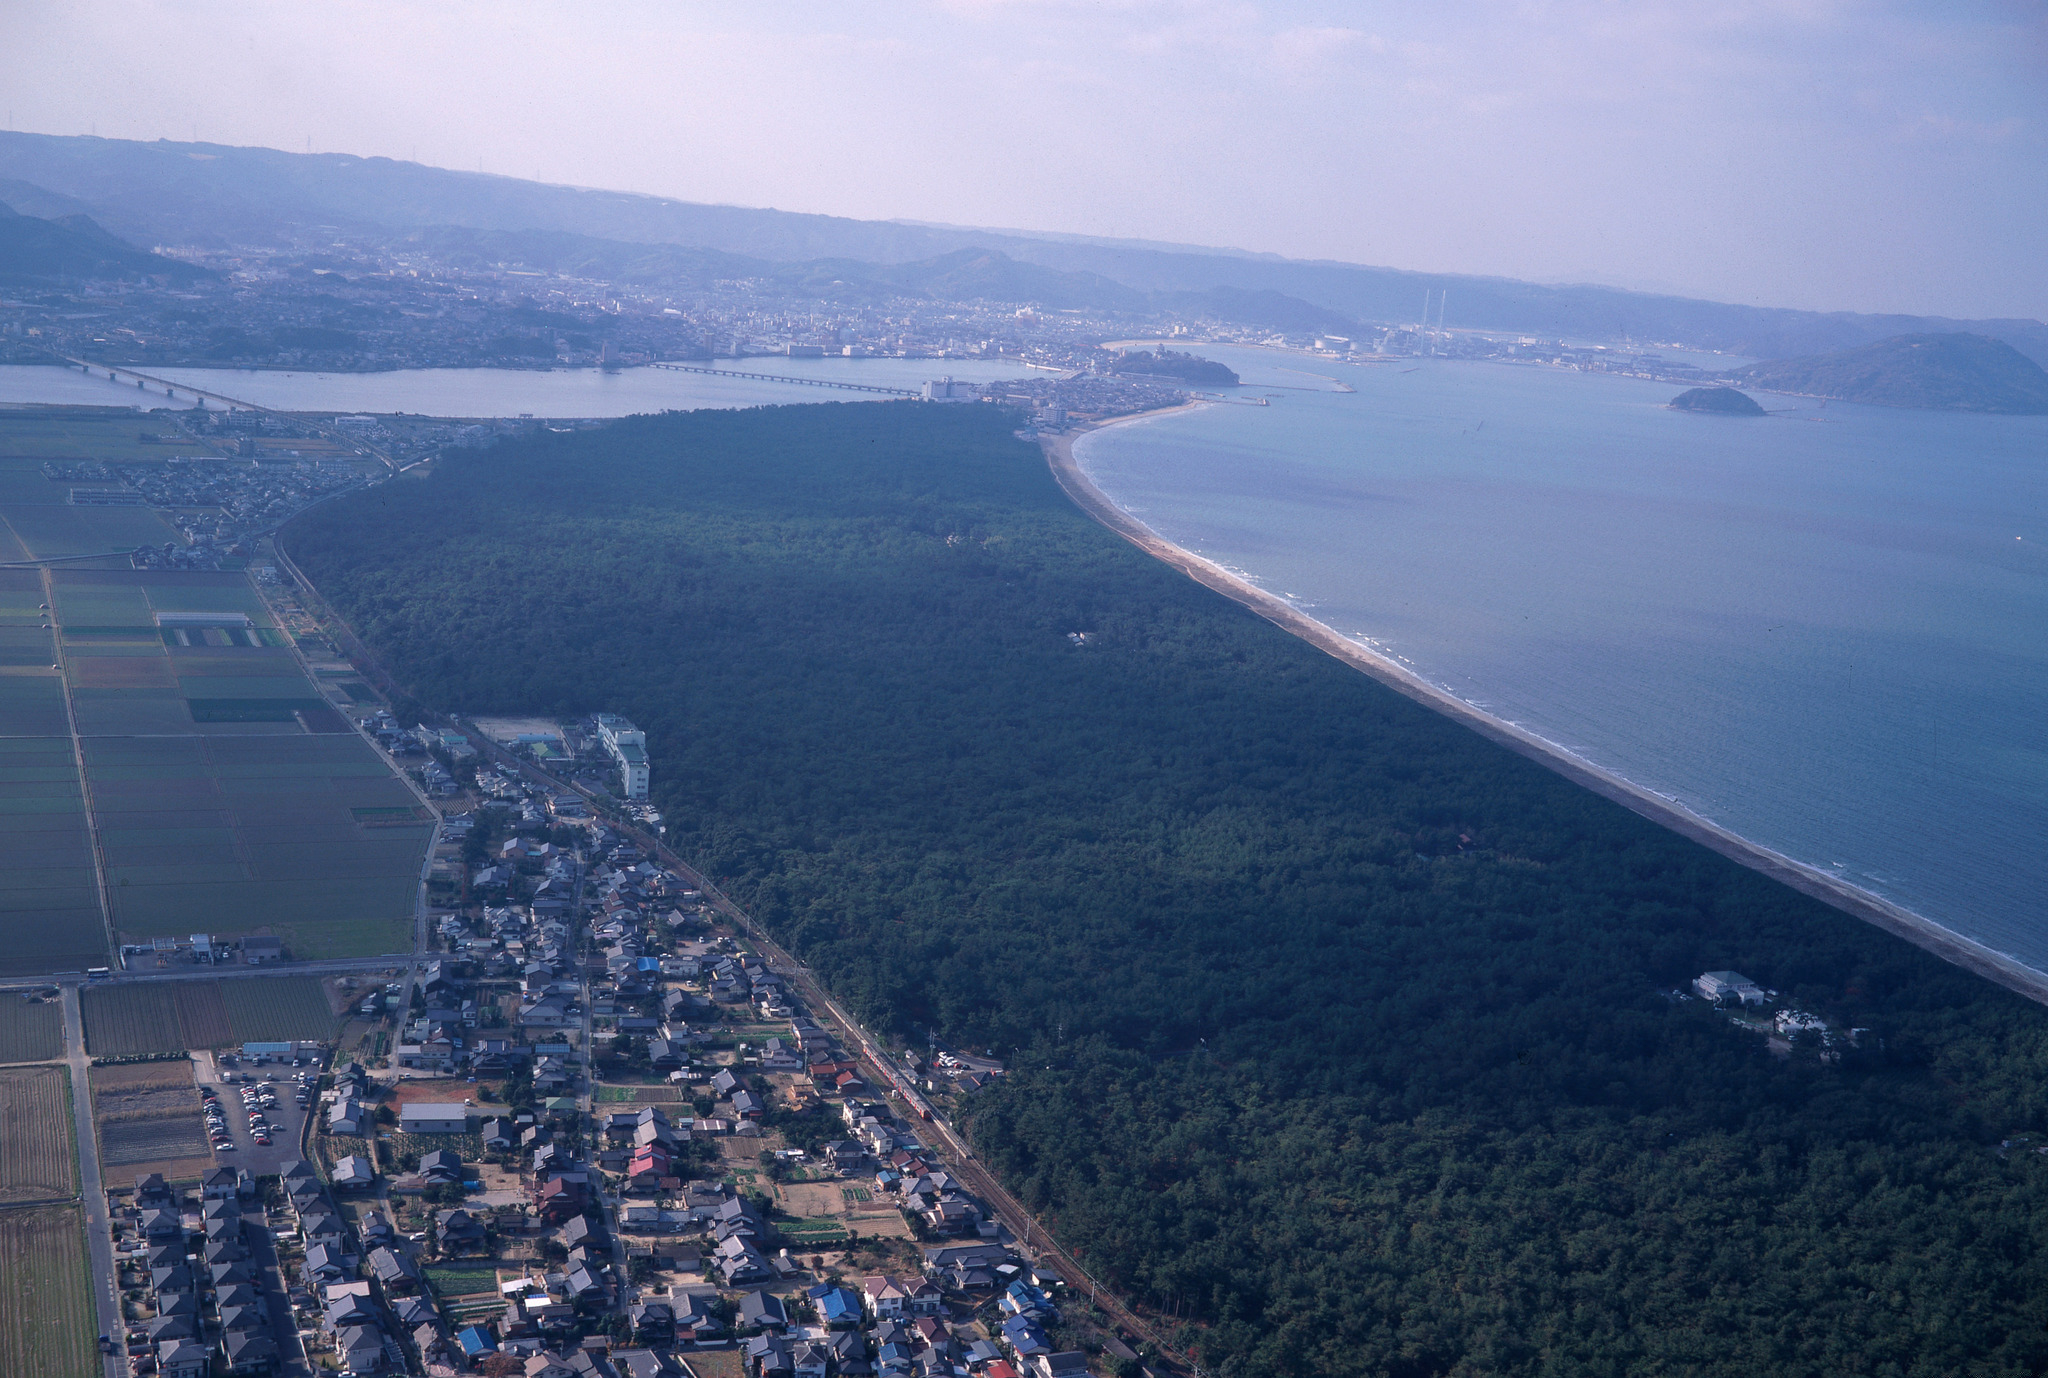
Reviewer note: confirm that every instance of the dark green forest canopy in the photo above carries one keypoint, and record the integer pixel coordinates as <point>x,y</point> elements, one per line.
<point>1336,1031</point>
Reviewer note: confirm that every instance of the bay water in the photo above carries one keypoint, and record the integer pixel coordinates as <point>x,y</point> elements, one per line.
<point>1826,629</point>
<point>498,392</point>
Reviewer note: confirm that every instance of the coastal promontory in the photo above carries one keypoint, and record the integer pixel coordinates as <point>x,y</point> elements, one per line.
<point>1951,372</point>
<point>1717,402</point>
<point>1182,368</point>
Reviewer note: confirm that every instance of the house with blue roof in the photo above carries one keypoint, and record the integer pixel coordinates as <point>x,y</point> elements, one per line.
<point>836,1305</point>
<point>1022,1334</point>
<point>475,1343</point>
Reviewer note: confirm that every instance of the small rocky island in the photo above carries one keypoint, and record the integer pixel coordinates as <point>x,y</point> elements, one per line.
<point>1717,402</point>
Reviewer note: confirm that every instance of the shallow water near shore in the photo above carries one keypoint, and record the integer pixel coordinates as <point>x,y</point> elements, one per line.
<point>1826,630</point>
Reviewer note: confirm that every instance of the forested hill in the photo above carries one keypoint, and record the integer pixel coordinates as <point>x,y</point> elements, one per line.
<point>37,250</point>
<point>1335,1031</point>
<point>1951,372</point>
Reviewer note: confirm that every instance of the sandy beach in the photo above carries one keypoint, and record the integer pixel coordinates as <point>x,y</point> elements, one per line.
<point>1923,933</point>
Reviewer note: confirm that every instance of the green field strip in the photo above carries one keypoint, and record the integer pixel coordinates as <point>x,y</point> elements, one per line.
<point>40,768</point>
<point>314,942</point>
<point>142,820</point>
<point>21,591</point>
<point>104,774</point>
<point>230,660</point>
<point>277,1008</point>
<point>135,715</point>
<point>152,795</point>
<point>54,789</point>
<point>121,878</point>
<point>281,687</point>
<point>113,650</point>
<point>231,594</point>
<point>134,858</point>
<point>64,530</point>
<point>29,750</point>
<point>26,646</point>
<point>280,726</point>
<point>164,837</point>
<point>280,861</point>
<point>97,605</point>
<point>118,753</point>
<point>214,710</point>
<point>43,851</point>
<point>30,826</point>
<point>54,888</point>
<point>240,906</point>
<point>33,706</point>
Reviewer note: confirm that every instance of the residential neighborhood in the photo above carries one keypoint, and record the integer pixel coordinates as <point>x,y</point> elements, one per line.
<point>596,1131</point>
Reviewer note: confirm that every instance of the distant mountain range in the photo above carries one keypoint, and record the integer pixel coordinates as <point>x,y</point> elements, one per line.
<point>212,194</point>
<point>33,250</point>
<point>1948,372</point>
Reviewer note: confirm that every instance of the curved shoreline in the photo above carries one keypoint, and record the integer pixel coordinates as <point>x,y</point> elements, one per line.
<point>1873,909</point>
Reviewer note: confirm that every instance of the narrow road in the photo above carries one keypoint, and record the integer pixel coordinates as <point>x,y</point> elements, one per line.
<point>92,1192</point>
<point>230,972</point>
<point>92,822</point>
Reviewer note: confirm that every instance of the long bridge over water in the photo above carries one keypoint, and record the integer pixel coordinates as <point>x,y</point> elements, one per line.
<point>789,378</point>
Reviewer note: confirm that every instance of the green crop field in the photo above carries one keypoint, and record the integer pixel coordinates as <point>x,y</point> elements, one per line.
<point>27,646</point>
<point>30,1030</point>
<point>231,834</point>
<point>221,811</point>
<point>48,1324</point>
<point>456,1280</point>
<point>86,433</point>
<point>50,908</point>
<point>271,1009</point>
<point>32,703</point>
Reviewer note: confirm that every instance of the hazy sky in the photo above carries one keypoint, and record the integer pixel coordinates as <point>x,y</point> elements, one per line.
<point>1866,155</point>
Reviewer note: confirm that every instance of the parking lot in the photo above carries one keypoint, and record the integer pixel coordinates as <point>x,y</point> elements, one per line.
<point>286,1120</point>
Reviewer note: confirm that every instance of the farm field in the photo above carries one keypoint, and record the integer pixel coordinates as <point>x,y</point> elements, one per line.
<point>38,433</point>
<point>148,1119</point>
<point>275,1008</point>
<point>30,1030</point>
<point>217,809</point>
<point>237,833</point>
<point>161,1017</point>
<point>50,906</point>
<point>48,1324</point>
<point>825,1211</point>
<point>38,1148</point>
<point>126,1019</point>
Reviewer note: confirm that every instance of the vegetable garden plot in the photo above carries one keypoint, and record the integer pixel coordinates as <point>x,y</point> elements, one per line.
<point>38,1150</point>
<point>31,1029</point>
<point>48,1324</point>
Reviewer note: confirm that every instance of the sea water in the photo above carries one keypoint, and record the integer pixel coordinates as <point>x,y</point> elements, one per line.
<point>1826,630</point>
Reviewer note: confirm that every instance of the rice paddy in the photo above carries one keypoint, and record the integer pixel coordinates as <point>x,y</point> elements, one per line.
<point>220,804</point>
